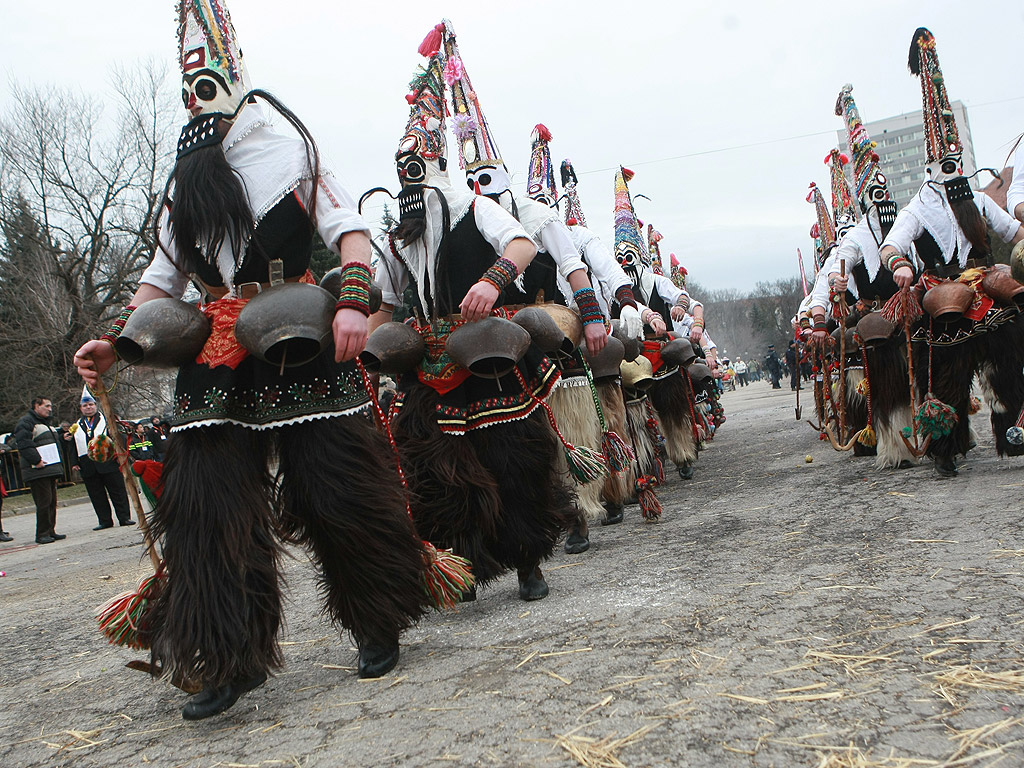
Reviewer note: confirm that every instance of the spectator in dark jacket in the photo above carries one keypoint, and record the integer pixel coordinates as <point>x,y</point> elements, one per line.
<point>41,466</point>
<point>139,445</point>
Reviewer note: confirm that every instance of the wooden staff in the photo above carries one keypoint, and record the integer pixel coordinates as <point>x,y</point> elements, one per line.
<point>126,474</point>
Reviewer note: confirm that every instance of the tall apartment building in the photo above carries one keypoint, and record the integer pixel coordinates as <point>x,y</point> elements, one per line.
<point>900,141</point>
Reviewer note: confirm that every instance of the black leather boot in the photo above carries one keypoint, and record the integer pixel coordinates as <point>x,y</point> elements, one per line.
<point>576,542</point>
<point>213,700</point>
<point>614,513</point>
<point>532,585</point>
<point>685,471</point>
<point>946,467</point>
<point>377,658</point>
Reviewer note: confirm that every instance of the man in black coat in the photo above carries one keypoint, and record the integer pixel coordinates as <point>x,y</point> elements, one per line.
<point>41,466</point>
<point>793,363</point>
<point>773,365</point>
<point>101,478</point>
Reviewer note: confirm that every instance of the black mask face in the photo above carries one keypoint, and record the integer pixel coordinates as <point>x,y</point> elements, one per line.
<point>410,203</point>
<point>958,189</point>
<point>412,170</point>
<point>886,213</point>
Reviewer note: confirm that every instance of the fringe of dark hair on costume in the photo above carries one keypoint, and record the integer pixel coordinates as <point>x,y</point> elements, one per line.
<point>341,498</point>
<point>670,397</point>
<point>617,488</point>
<point>454,498</point>
<point>952,377</point>
<point>535,506</point>
<point>218,616</point>
<point>971,222</point>
<point>1003,361</point>
<point>856,411</point>
<point>210,207</point>
<point>887,369</point>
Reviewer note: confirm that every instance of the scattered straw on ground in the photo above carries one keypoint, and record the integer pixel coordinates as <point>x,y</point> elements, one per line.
<point>600,753</point>
<point>967,676</point>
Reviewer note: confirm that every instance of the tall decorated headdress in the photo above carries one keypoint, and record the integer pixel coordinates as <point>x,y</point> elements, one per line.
<point>844,210</point>
<point>653,238</point>
<point>869,183</point>
<point>213,72</point>
<point>823,230</point>
<point>541,184</point>
<point>478,153</point>
<point>573,209</point>
<point>630,249</point>
<point>678,271</point>
<point>422,151</point>
<point>942,139</point>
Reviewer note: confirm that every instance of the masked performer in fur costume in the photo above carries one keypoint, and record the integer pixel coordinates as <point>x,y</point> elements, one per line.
<point>872,287</point>
<point>615,294</point>
<point>241,199</point>
<point>479,454</point>
<point>671,394</point>
<point>973,323</point>
<point>556,274</point>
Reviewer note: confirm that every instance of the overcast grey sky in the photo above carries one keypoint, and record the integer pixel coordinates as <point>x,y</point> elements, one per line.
<point>724,110</point>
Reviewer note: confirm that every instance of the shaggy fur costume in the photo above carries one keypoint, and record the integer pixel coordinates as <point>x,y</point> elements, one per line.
<point>856,411</point>
<point>952,375</point>
<point>618,489</point>
<point>1002,380</point>
<point>492,495</point>
<point>890,400</point>
<point>636,433</point>
<point>671,398</point>
<point>577,420</point>
<point>218,617</point>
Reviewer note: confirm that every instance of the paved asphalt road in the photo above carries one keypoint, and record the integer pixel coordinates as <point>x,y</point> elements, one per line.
<point>780,614</point>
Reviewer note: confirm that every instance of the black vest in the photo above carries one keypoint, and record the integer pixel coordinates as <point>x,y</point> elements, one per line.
<point>284,233</point>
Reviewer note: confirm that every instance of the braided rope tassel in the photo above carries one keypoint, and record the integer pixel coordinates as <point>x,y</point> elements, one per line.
<point>934,418</point>
<point>617,454</point>
<point>585,465</point>
<point>650,507</point>
<point>690,398</point>
<point>447,576</point>
<point>867,436</point>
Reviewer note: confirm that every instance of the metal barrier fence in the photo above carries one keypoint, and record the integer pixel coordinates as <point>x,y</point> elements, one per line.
<point>10,468</point>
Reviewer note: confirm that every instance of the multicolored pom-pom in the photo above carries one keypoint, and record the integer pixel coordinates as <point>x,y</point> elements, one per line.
<point>101,449</point>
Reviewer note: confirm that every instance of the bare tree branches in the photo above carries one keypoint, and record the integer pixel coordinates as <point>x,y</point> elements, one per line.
<point>80,186</point>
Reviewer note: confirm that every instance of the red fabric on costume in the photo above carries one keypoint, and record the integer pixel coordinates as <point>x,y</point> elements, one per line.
<point>652,351</point>
<point>151,474</point>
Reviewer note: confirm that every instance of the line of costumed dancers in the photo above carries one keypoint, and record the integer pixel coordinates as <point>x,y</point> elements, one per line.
<point>541,382</point>
<point>907,306</point>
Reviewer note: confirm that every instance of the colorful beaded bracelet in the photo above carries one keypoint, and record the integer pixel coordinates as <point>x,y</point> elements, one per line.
<point>355,288</point>
<point>590,310</point>
<point>501,273</point>
<point>111,335</point>
<point>624,296</point>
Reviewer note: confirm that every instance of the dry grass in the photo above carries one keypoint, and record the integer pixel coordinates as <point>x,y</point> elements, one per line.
<point>967,676</point>
<point>600,753</point>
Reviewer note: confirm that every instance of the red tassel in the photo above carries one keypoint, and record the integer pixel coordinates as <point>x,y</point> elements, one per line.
<point>542,132</point>
<point>627,174</point>
<point>432,42</point>
<point>650,507</point>
<point>572,221</point>
<point>844,159</point>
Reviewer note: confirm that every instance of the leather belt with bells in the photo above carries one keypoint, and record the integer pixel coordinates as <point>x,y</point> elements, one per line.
<point>245,290</point>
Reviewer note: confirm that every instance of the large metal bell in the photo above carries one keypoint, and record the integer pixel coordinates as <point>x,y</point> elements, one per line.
<point>948,301</point>
<point>542,329</point>
<point>288,324</point>
<point>393,348</point>
<point>874,329</point>
<point>1000,284</point>
<point>631,346</point>
<point>700,375</point>
<point>637,374</point>
<point>568,320</point>
<point>678,352</point>
<point>488,348</point>
<point>163,333</point>
<point>605,364</point>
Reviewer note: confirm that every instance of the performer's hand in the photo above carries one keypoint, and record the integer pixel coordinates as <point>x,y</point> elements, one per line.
<point>696,334</point>
<point>92,360</point>
<point>630,318</point>
<point>904,277</point>
<point>349,334</point>
<point>595,336</point>
<point>677,312</point>
<point>657,324</point>
<point>819,339</point>
<point>479,301</point>
<point>839,281</point>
